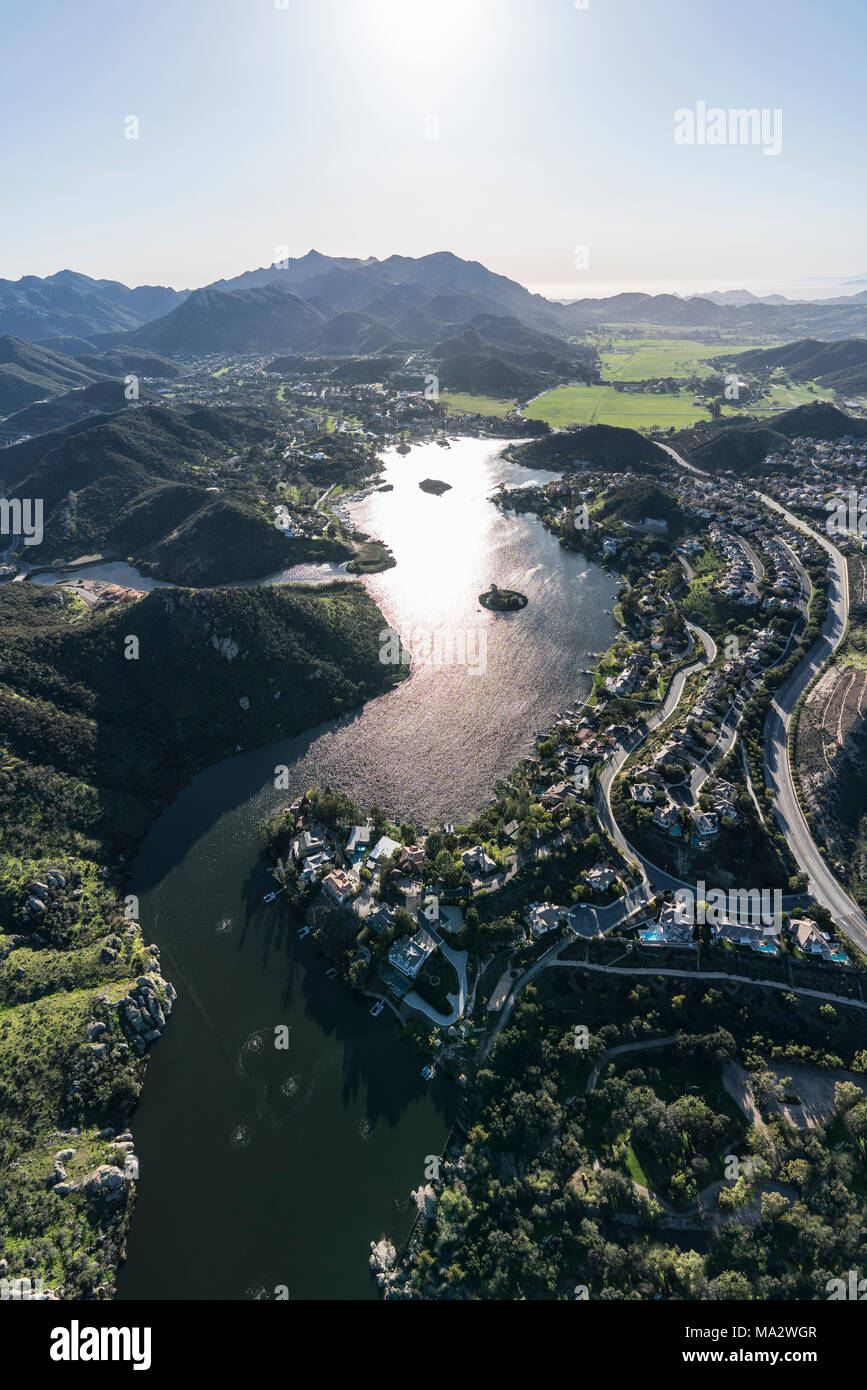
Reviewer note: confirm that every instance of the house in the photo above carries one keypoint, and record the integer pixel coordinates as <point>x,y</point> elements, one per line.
<point>311,866</point>
<point>359,839</point>
<point>746,934</point>
<point>409,954</point>
<point>338,885</point>
<point>808,936</point>
<point>381,919</point>
<point>307,844</point>
<point>677,918</point>
<point>511,830</point>
<point>601,877</point>
<point>383,849</point>
<point>706,823</point>
<point>667,818</point>
<point>411,859</point>
<point>545,917</point>
<point>477,860</point>
<point>644,794</point>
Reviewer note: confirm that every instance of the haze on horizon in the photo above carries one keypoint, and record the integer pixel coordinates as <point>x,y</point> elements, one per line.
<point>537,138</point>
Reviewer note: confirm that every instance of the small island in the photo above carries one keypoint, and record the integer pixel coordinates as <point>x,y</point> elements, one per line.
<point>503,600</point>
<point>435,485</point>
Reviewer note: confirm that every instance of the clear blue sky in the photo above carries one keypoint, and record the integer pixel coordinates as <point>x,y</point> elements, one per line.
<point>307,126</point>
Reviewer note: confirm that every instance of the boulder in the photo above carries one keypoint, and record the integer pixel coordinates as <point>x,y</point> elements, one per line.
<point>426,1200</point>
<point>105,1182</point>
<point>94,1031</point>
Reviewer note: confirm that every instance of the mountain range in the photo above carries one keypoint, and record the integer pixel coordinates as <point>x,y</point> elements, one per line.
<point>323,304</point>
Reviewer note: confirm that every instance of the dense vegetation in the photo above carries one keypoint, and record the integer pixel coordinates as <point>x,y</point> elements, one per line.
<point>93,743</point>
<point>604,446</point>
<point>560,1194</point>
<point>175,489</point>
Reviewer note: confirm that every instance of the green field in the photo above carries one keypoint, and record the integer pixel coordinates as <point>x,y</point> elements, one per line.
<point>638,359</point>
<point>476,405</point>
<point>602,405</point>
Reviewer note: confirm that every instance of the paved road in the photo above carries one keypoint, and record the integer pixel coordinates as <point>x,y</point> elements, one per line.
<point>617,1052</point>
<point>649,872</point>
<point>824,886</point>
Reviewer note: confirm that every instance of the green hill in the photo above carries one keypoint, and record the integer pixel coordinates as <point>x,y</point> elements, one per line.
<point>103,397</point>
<point>92,746</point>
<point>743,447</point>
<point>137,484</point>
<point>838,366</point>
<point>603,446</point>
<point>30,373</point>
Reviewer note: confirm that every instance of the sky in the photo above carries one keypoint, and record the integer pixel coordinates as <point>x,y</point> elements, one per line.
<point>536,136</point>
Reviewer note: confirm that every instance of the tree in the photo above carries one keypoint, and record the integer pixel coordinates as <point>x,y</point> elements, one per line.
<point>846,1094</point>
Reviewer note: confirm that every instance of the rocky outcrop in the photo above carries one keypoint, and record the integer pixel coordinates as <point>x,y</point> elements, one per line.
<point>144,1011</point>
<point>426,1200</point>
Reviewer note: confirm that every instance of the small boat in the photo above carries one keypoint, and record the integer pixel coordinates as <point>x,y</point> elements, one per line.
<point>429,1072</point>
<point>332,973</point>
<point>305,931</point>
<point>269,897</point>
<point>377,1008</point>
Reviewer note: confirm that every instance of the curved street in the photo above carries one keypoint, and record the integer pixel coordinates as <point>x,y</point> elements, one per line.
<point>823,884</point>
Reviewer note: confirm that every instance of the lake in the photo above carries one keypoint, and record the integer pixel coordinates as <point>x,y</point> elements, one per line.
<point>262,1168</point>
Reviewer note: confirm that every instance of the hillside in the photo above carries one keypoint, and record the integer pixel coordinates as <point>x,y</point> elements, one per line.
<point>837,366</point>
<point>104,487</point>
<point>603,446</point>
<point>31,373</point>
<point>488,376</point>
<point>501,356</point>
<point>71,305</point>
<point>121,360</point>
<point>633,503</point>
<point>744,447</point>
<point>263,319</point>
<point>102,398</point>
<point>93,745</point>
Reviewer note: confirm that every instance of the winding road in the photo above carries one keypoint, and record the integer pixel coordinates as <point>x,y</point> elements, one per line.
<point>823,884</point>
<point>650,874</point>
